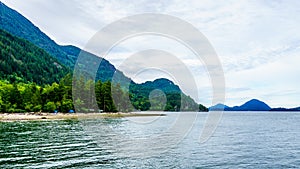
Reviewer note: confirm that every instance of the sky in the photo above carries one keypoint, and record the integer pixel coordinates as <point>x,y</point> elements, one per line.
<point>257,41</point>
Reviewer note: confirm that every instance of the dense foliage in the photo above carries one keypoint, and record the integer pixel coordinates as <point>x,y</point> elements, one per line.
<point>22,97</point>
<point>91,96</point>
<point>21,61</point>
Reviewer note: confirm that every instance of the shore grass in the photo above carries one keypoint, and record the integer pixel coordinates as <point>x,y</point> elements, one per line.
<point>66,116</point>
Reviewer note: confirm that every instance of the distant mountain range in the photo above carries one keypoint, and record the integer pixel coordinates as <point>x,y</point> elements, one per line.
<point>252,105</point>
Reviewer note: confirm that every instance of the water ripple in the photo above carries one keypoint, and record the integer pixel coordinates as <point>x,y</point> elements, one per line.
<point>242,140</point>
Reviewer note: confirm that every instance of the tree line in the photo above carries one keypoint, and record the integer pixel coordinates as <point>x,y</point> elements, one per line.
<point>30,97</point>
<point>89,96</point>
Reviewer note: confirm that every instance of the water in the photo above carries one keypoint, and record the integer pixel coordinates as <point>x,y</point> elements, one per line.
<point>242,140</point>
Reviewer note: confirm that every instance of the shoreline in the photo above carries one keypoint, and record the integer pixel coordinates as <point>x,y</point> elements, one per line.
<point>7,117</point>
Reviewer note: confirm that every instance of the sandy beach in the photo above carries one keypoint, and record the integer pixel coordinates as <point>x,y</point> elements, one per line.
<point>65,116</point>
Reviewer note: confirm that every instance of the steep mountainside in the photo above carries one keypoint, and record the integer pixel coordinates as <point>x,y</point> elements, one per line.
<point>16,24</point>
<point>22,61</point>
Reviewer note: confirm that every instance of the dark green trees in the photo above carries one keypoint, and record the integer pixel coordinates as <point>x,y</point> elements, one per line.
<point>202,108</point>
<point>90,97</point>
<point>21,61</point>
<point>168,97</point>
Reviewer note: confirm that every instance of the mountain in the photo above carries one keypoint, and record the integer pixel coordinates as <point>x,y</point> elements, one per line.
<point>163,84</point>
<point>16,24</point>
<point>218,107</point>
<point>22,61</point>
<point>252,105</point>
<point>172,100</point>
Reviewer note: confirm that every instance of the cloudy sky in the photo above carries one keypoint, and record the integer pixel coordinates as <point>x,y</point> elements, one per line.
<point>257,41</point>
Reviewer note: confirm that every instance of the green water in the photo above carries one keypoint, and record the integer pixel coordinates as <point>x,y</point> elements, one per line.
<point>242,140</point>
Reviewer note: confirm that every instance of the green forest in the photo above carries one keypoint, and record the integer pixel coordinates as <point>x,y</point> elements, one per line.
<point>21,61</point>
<point>30,97</point>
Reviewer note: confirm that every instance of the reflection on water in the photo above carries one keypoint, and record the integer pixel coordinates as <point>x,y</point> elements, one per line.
<point>242,140</point>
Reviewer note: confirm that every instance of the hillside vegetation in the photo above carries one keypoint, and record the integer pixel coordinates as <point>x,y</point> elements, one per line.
<point>21,61</point>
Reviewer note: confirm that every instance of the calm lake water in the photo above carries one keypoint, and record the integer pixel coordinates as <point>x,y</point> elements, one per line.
<point>242,140</point>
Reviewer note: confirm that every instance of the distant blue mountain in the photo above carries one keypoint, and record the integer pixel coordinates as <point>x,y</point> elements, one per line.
<point>252,105</point>
<point>218,107</point>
